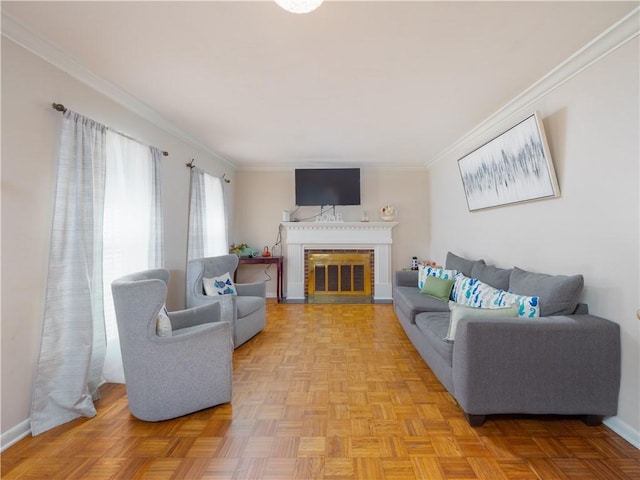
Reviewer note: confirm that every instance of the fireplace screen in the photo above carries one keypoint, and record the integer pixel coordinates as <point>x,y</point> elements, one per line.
<point>339,274</point>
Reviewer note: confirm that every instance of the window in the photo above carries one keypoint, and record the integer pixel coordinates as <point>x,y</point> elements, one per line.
<point>207,219</point>
<point>131,240</point>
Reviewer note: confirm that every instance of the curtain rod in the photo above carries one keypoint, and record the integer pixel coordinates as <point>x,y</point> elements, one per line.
<point>61,108</point>
<point>192,164</point>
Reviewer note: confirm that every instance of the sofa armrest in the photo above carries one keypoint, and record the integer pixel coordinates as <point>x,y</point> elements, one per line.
<point>549,365</point>
<point>257,289</point>
<point>405,278</point>
<point>190,317</point>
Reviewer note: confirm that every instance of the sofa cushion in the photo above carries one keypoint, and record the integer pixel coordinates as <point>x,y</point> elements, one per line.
<point>434,327</point>
<point>248,305</point>
<point>494,276</point>
<point>410,302</point>
<point>437,287</point>
<point>454,262</point>
<point>462,311</point>
<point>558,294</point>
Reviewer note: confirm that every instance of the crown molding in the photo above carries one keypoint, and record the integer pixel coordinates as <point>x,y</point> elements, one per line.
<point>382,167</point>
<point>17,32</point>
<point>621,32</point>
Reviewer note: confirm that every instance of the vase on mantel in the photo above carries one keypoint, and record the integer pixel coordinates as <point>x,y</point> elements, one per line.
<point>388,213</point>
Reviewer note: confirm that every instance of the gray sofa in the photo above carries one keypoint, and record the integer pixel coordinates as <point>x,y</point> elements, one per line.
<point>564,362</point>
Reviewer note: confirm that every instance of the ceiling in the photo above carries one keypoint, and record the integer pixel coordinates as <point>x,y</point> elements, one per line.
<point>361,83</point>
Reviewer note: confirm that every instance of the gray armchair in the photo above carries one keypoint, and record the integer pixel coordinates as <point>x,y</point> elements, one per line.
<point>188,370</point>
<point>246,311</point>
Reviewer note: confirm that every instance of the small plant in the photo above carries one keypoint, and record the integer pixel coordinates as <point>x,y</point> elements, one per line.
<point>237,248</point>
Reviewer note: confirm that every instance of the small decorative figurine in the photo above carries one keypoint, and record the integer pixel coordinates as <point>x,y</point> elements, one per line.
<point>265,252</point>
<point>388,213</point>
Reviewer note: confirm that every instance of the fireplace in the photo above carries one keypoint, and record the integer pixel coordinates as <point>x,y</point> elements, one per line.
<point>304,238</point>
<point>339,273</point>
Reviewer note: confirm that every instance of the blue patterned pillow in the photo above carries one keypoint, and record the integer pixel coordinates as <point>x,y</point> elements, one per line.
<point>222,285</point>
<point>528,307</point>
<point>424,272</point>
<point>474,293</point>
<point>460,285</point>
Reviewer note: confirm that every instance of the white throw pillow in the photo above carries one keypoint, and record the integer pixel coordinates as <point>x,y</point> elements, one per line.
<point>463,311</point>
<point>424,272</point>
<point>222,285</point>
<point>474,293</point>
<point>163,323</point>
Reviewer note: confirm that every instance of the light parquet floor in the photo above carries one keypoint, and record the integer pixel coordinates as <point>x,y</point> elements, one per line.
<point>324,392</point>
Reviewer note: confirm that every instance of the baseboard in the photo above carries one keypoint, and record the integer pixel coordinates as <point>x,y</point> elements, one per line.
<point>625,431</point>
<point>15,434</point>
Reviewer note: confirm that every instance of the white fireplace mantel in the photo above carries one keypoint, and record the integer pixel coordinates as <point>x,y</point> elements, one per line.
<point>301,236</point>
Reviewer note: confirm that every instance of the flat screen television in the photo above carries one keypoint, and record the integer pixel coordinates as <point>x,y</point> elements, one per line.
<point>327,186</point>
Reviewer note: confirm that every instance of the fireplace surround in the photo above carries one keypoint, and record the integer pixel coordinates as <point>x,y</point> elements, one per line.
<point>301,237</point>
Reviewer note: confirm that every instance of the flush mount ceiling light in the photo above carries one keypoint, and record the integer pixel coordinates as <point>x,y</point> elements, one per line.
<point>299,6</point>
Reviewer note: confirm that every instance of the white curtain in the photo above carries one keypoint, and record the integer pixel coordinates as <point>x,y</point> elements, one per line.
<point>132,227</point>
<point>207,218</point>
<point>107,206</point>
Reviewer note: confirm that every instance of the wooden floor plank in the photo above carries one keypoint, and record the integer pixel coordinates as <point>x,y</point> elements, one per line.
<point>330,392</point>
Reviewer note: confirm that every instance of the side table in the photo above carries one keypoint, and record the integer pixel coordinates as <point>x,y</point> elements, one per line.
<point>277,260</point>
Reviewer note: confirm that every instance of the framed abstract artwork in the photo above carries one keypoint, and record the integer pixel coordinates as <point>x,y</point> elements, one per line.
<point>513,167</point>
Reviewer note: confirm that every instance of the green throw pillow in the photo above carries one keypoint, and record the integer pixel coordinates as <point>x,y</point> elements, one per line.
<point>437,287</point>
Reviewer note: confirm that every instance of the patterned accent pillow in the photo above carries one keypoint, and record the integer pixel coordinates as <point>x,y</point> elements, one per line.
<point>528,307</point>
<point>163,323</point>
<point>474,293</point>
<point>424,272</point>
<point>460,285</point>
<point>222,285</point>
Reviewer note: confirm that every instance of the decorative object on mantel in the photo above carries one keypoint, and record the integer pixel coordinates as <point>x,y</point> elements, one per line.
<point>365,216</point>
<point>299,6</point>
<point>388,213</point>
<point>327,217</point>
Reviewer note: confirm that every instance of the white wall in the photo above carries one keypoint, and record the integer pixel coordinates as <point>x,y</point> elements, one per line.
<point>29,144</point>
<point>592,124</point>
<point>261,197</point>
